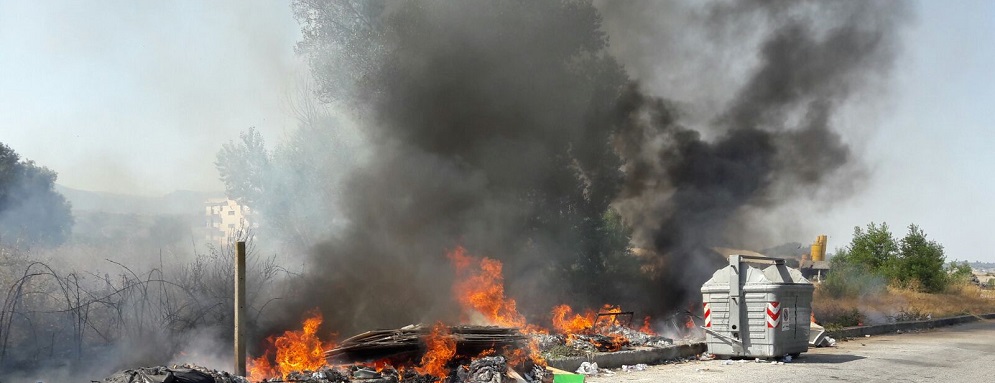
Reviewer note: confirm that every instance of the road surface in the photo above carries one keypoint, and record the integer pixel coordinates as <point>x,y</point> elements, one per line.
<point>954,354</point>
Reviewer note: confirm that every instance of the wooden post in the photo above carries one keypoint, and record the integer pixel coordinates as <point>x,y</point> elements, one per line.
<point>240,308</point>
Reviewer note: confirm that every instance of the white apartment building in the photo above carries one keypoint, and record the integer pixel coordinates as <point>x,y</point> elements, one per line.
<point>225,218</point>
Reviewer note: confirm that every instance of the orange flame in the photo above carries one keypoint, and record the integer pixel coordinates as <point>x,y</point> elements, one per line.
<point>565,321</point>
<point>295,351</point>
<point>605,321</point>
<point>259,368</point>
<point>618,341</point>
<point>689,323</point>
<point>441,348</point>
<point>479,288</point>
<point>647,327</point>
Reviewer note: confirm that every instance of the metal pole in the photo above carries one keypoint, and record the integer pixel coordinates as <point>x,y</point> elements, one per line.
<point>735,297</point>
<point>240,308</point>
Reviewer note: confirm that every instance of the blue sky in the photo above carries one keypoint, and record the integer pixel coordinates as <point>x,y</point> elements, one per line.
<point>137,97</point>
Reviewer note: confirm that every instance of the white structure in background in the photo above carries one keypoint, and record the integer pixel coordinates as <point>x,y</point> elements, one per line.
<point>226,219</point>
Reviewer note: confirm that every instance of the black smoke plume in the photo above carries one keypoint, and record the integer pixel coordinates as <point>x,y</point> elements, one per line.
<point>683,194</point>
<point>507,127</point>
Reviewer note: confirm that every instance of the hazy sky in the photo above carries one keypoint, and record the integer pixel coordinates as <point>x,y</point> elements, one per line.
<point>137,97</point>
<point>932,158</point>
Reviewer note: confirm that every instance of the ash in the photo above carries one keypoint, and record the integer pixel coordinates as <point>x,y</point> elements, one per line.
<point>183,373</point>
<point>324,375</point>
<point>603,340</point>
<point>641,339</point>
<point>491,369</point>
<point>548,341</point>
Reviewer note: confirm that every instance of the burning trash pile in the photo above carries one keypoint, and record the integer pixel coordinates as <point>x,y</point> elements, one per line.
<point>499,345</point>
<point>174,374</point>
<point>606,330</point>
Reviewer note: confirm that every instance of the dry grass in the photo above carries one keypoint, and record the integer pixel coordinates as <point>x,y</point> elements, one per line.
<point>901,304</point>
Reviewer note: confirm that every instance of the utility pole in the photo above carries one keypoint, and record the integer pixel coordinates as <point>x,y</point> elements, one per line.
<point>240,308</point>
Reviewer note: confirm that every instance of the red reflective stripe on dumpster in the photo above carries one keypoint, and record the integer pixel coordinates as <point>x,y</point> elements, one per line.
<point>773,314</point>
<point>708,315</point>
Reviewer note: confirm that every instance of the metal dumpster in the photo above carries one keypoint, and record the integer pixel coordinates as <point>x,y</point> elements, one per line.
<point>757,307</point>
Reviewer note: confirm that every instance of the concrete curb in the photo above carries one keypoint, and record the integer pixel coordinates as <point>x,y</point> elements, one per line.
<point>630,357</point>
<point>860,331</point>
<point>660,355</point>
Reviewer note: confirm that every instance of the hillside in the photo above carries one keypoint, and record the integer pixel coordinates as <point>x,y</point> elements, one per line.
<point>180,202</point>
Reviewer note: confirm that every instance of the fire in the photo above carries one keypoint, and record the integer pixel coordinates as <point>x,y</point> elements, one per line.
<point>259,368</point>
<point>565,321</point>
<point>295,351</point>
<point>618,341</point>
<point>480,289</point>
<point>647,327</point>
<point>605,321</point>
<point>689,324</point>
<point>440,349</point>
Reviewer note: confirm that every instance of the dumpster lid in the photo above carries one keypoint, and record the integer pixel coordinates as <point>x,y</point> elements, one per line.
<point>759,274</point>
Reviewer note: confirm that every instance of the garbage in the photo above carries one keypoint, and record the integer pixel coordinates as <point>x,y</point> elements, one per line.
<point>162,374</point>
<point>324,375</point>
<point>726,362</point>
<point>487,369</point>
<point>637,367</point>
<point>365,373</point>
<point>827,342</point>
<point>588,368</point>
<point>787,359</point>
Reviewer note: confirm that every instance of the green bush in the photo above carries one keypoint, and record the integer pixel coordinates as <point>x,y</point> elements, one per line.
<point>920,262</point>
<point>873,259</point>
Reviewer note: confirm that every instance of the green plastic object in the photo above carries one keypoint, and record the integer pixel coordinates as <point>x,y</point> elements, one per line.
<point>568,378</point>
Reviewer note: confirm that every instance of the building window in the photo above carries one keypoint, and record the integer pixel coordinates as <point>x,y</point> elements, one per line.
<point>231,212</point>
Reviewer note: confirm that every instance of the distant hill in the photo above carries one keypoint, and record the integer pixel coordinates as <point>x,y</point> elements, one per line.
<point>180,202</point>
<point>790,250</point>
<point>985,266</point>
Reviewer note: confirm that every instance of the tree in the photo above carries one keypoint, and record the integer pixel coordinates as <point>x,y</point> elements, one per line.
<point>865,266</point>
<point>31,211</point>
<point>874,256</point>
<point>875,249</point>
<point>245,168</point>
<point>294,187</point>
<point>958,272</point>
<point>921,260</point>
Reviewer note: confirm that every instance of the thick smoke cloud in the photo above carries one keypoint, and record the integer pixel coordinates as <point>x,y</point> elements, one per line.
<point>484,117</point>
<point>508,127</point>
<point>774,140</point>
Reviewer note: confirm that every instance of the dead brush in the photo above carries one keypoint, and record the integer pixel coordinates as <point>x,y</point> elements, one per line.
<point>899,304</point>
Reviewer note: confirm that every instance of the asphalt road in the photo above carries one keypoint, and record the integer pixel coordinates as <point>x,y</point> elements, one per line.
<point>953,354</point>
